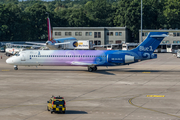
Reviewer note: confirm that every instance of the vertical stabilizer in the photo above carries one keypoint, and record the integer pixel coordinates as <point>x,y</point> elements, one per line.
<point>49,30</point>
<point>151,42</point>
<point>146,48</point>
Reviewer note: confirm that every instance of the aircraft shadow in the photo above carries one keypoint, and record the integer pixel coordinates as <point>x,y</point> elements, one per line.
<point>107,71</point>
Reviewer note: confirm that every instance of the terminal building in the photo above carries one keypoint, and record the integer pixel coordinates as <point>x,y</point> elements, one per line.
<point>173,38</point>
<point>98,35</point>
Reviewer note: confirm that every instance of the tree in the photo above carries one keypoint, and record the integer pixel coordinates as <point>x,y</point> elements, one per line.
<point>152,14</point>
<point>172,13</point>
<point>128,14</point>
<point>37,24</point>
<point>98,12</point>
<point>78,19</point>
<point>10,22</point>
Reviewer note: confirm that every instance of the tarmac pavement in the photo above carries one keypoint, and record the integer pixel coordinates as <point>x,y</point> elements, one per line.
<point>148,90</point>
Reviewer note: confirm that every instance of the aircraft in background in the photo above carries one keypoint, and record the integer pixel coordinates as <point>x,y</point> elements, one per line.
<point>53,44</point>
<point>89,58</point>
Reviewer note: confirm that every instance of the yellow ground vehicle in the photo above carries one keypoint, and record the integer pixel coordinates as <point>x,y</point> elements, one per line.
<point>56,104</point>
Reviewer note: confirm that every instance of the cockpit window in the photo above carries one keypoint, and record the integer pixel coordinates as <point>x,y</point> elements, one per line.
<point>17,54</point>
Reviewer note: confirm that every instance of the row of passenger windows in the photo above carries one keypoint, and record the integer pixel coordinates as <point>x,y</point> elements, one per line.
<point>67,56</point>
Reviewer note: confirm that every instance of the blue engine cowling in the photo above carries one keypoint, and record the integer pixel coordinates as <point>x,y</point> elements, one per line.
<point>120,58</point>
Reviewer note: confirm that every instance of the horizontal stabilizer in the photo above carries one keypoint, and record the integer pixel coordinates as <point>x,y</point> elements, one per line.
<point>159,36</point>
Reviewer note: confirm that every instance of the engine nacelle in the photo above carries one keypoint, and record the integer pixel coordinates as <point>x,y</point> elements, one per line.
<point>120,58</point>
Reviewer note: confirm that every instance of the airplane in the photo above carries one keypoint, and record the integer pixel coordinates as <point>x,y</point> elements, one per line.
<point>89,58</point>
<point>53,44</point>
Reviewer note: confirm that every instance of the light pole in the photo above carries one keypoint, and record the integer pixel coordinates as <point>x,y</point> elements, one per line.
<point>141,22</point>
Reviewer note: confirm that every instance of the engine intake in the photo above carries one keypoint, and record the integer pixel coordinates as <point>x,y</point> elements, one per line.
<point>129,59</point>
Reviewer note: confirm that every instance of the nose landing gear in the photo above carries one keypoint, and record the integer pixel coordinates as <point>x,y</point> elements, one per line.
<point>90,69</point>
<point>15,67</point>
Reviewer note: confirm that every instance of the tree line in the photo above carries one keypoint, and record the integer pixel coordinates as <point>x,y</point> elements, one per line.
<point>25,20</point>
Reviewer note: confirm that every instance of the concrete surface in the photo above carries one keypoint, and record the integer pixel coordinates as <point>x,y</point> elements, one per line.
<point>116,93</point>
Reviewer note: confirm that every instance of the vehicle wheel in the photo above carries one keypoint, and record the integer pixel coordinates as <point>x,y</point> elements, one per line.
<point>48,109</point>
<point>15,68</point>
<point>90,69</point>
<point>94,68</point>
<point>51,112</point>
<point>63,112</point>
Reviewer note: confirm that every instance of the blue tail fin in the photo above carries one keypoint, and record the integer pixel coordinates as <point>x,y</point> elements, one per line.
<point>151,42</point>
<point>146,48</point>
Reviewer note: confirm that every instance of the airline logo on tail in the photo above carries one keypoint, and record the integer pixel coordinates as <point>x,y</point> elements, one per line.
<point>142,48</point>
<point>50,38</point>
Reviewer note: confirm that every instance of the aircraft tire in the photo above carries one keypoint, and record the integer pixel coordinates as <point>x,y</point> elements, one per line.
<point>90,69</point>
<point>94,68</point>
<point>15,68</point>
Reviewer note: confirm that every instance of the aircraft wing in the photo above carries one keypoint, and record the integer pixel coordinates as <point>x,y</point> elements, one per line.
<point>25,45</point>
<point>62,43</point>
<point>35,43</point>
<point>84,63</point>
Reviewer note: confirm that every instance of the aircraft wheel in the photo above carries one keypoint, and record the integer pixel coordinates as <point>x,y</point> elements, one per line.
<point>90,69</point>
<point>94,68</point>
<point>16,68</point>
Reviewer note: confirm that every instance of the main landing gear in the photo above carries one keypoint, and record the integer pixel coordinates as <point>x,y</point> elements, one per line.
<point>90,69</point>
<point>15,67</point>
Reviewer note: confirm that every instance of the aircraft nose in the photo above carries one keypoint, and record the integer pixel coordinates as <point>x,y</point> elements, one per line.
<point>9,61</point>
<point>48,43</point>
